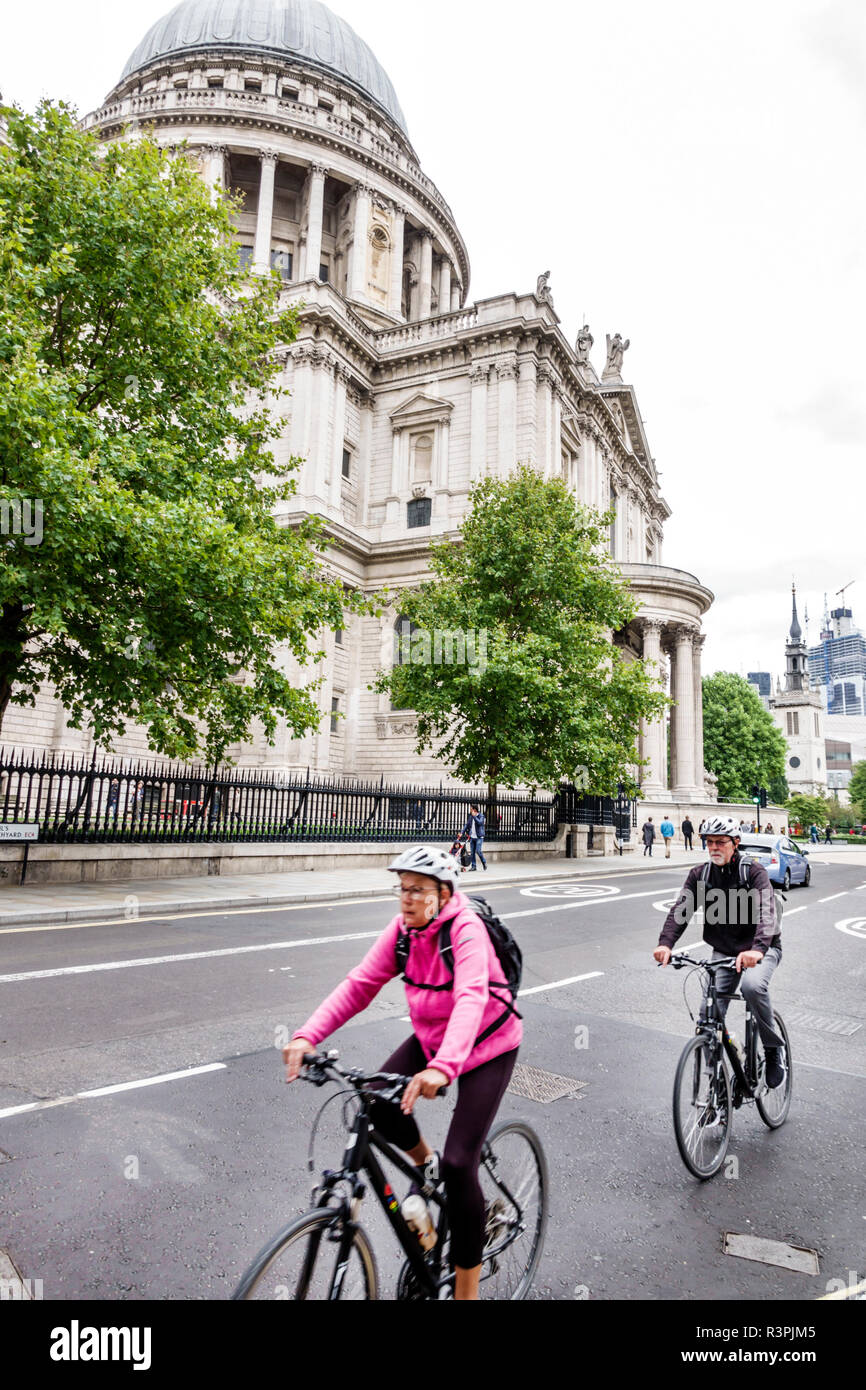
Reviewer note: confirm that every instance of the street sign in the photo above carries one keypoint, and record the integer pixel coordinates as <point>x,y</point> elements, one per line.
<point>11,830</point>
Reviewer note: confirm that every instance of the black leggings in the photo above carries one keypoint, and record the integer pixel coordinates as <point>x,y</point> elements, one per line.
<point>479,1093</point>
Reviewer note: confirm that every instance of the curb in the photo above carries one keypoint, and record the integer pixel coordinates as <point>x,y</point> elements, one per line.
<point>36,917</point>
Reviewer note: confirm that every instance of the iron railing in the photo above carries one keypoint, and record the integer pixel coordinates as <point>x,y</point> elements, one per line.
<point>111,800</point>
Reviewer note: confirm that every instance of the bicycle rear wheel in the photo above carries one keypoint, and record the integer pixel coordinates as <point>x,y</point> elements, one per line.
<point>702,1107</point>
<point>773,1106</point>
<point>308,1260</point>
<point>513,1176</point>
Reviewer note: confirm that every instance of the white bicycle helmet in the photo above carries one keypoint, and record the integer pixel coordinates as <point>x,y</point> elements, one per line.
<point>722,825</point>
<point>428,859</point>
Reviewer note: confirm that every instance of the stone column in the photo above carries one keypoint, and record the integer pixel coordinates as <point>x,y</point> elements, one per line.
<point>264,221</point>
<point>455,296</point>
<point>338,437</point>
<point>543,418</point>
<point>445,286</point>
<point>425,284</point>
<point>216,169</point>
<point>479,374</point>
<point>653,731</point>
<point>506,370</point>
<point>527,402</point>
<point>358,267</point>
<point>395,293</point>
<point>315,206</point>
<point>699,715</point>
<point>556,434</point>
<point>684,715</point>
<point>301,398</point>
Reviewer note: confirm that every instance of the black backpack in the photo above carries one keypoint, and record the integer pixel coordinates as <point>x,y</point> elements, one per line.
<point>745,861</point>
<point>507,951</point>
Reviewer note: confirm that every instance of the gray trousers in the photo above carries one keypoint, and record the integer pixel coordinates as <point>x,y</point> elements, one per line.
<point>754,985</point>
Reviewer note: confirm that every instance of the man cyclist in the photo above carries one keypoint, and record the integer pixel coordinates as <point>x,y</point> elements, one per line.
<point>735,924</point>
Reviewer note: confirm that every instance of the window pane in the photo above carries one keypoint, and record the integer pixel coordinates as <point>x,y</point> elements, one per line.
<point>418,512</point>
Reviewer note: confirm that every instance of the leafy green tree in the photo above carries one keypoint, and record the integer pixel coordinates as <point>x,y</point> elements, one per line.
<point>742,745</point>
<point>137,367</point>
<point>808,810</point>
<point>857,789</point>
<point>528,600</point>
<point>777,790</point>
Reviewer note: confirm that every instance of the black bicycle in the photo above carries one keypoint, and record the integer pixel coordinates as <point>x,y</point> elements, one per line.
<point>714,1078</point>
<point>326,1254</point>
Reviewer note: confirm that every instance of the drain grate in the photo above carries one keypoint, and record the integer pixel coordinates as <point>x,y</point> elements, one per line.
<point>544,1086</point>
<point>824,1023</point>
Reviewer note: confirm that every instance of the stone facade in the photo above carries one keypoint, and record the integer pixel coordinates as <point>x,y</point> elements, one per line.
<point>404,394</point>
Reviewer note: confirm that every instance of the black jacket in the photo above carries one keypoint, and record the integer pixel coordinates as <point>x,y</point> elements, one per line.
<point>735,918</point>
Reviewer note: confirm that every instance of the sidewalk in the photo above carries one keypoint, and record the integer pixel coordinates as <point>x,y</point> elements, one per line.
<point>85,902</point>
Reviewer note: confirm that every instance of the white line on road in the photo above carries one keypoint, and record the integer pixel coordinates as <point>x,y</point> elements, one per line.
<point>191,955</point>
<point>558,984</point>
<point>789,911</point>
<point>831,897</point>
<point>111,1090</point>
<point>580,902</point>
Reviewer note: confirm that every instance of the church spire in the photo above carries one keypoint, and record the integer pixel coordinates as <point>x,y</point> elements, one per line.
<point>796,633</point>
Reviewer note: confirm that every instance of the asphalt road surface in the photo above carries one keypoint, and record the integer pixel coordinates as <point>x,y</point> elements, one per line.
<point>166,1190</point>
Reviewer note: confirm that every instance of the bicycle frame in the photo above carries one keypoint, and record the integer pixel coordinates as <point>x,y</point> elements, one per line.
<point>711,1024</point>
<point>360,1157</point>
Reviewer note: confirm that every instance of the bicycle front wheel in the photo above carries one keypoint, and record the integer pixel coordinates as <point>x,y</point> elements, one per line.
<point>315,1258</point>
<point>513,1176</point>
<point>773,1106</point>
<point>702,1107</point>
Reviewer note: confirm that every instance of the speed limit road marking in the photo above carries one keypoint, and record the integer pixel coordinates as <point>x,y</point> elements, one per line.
<point>569,890</point>
<point>853,926</point>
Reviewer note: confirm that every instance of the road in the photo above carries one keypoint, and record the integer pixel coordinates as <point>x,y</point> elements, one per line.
<point>165,1190</point>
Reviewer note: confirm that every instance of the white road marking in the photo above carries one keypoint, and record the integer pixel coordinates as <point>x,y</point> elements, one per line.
<point>558,984</point>
<point>191,955</point>
<point>566,907</point>
<point>831,897</point>
<point>853,926</point>
<point>789,911</point>
<point>111,1090</point>
<point>571,889</point>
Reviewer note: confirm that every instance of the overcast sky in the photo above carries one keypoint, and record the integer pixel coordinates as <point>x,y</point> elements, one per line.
<point>692,177</point>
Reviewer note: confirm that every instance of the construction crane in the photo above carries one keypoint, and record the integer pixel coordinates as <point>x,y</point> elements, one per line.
<point>844,587</point>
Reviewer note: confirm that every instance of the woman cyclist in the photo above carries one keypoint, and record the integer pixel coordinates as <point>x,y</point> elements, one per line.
<point>467,1033</point>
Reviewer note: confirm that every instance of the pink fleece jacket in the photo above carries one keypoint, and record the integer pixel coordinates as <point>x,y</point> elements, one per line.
<point>447,1021</point>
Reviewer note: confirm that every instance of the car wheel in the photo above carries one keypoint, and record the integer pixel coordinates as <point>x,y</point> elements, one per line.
<point>808,879</point>
<point>786,882</point>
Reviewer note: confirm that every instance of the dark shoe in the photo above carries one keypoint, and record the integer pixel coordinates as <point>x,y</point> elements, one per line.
<point>775,1072</point>
<point>473,868</point>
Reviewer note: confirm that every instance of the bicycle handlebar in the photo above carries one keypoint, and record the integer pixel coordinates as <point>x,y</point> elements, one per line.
<point>681,959</point>
<point>324,1063</point>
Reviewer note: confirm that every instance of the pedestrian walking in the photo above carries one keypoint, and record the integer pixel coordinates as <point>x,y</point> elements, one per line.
<point>649,833</point>
<point>667,833</point>
<point>474,828</point>
<point>828,835</point>
<point>701,832</point>
<point>113,795</point>
<point>813,834</point>
<point>688,831</point>
<point>768,829</point>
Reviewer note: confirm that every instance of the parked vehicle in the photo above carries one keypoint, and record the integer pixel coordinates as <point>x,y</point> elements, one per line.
<point>784,861</point>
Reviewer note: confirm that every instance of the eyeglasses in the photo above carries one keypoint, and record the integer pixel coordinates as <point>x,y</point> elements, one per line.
<point>400,892</point>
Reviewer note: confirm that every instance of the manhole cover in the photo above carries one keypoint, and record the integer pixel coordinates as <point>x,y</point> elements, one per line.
<point>824,1023</point>
<point>772,1252</point>
<point>544,1086</point>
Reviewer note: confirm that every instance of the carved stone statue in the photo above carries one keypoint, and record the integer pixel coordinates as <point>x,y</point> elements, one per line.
<point>616,350</point>
<point>542,289</point>
<point>583,345</point>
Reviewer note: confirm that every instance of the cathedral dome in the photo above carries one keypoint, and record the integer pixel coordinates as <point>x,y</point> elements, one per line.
<point>301,30</point>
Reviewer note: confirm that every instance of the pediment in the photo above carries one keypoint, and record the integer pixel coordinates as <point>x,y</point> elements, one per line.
<point>627,417</point>
<point>421,409</point>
